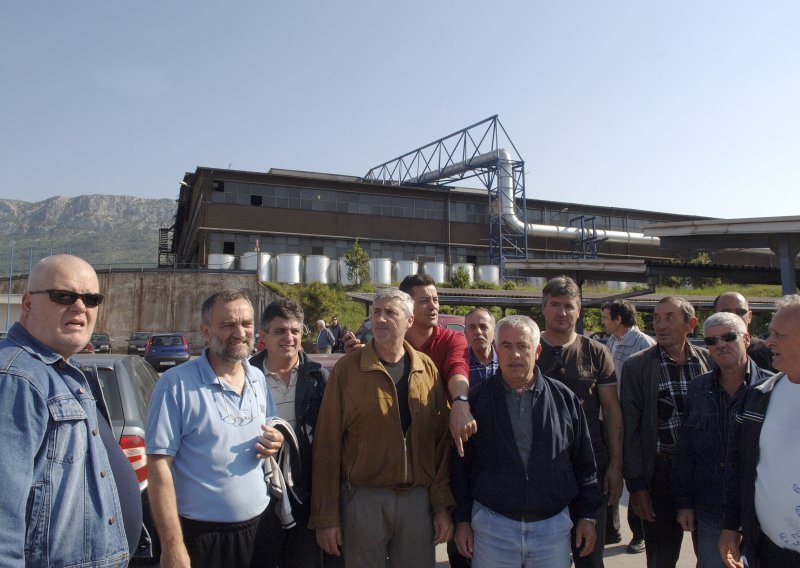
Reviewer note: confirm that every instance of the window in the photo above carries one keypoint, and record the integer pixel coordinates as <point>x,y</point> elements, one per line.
<point>229,247</point>
<point>255,200</point>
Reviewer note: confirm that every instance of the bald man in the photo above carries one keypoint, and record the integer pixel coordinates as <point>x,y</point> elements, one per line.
<point>70,496</point>
<point>735,303</point>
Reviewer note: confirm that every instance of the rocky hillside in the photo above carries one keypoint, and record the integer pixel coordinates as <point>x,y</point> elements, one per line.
<point>107,230</point>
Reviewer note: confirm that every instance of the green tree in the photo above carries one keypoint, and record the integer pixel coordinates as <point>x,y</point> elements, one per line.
<point>357,263</point>
<point>318,301</point>
<point>460,278</point>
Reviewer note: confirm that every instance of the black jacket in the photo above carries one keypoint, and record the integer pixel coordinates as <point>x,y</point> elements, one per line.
<point>561,470</point>
<point>311,379</point>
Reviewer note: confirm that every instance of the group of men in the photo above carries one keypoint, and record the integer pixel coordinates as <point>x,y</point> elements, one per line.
<point>330,337</point>
<point>506,441</point>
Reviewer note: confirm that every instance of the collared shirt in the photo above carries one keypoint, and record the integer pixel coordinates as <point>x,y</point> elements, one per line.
<point>478,372</point>
<point>520,409</point>
<point>632,341</point>
<point>672,386</point>
<point>197,419</point>
<point>284,395</point>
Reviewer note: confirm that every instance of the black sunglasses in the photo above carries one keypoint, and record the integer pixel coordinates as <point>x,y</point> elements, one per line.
<point>67,298</point>
<point>727,337</point>
<point>741,312</point>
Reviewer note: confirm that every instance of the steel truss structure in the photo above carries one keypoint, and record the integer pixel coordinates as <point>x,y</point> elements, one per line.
<point>472,152</point>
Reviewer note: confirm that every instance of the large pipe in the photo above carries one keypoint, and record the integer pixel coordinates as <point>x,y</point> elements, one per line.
<point>505,191</point>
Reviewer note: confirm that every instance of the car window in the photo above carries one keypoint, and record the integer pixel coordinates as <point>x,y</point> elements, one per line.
<point>144,378</point>
<point>108,384</point>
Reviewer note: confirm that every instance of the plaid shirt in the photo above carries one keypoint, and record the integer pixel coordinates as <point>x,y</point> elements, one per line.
<point>478,372</point>
<point>672,386</point>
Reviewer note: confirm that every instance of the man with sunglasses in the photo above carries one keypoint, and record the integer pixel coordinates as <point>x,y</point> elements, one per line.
<point>698,470</point>
<point>69,494</point>
<point>735,303</point>
<point>654,385</point>
<point>205,437</point>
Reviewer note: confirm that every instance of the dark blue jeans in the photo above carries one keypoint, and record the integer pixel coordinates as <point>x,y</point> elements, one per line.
<point>662,538</point>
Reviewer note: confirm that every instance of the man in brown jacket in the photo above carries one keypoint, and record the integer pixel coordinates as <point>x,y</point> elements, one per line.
<point>382,445</point>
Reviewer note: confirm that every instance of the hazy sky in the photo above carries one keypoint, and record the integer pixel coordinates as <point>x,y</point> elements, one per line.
<point>680,106</point>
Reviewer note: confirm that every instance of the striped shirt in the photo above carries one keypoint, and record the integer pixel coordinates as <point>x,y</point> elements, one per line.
<point>283,394</point>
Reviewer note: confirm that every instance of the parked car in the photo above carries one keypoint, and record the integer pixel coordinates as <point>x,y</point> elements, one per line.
<point>88,348</point>
<point>452,321</point>
<point>101,342</point>
<point>137,342</point>
<point>126,382</point>
<point>165,350</point>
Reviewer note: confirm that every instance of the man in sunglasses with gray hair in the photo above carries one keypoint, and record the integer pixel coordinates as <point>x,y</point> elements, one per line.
<point>697,471</point>
<point>70,496</point>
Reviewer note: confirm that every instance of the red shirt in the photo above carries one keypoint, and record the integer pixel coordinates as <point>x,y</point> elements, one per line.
<point>447,349</point>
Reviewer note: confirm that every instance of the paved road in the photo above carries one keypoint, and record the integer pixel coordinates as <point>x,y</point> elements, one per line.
<point>615,555</point>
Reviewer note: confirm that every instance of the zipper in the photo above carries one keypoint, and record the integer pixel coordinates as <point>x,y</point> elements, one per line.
<point>400,423</point>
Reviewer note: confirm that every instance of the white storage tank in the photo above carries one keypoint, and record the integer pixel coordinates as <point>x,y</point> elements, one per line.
<point>333,271</point>
<point>287,268</point>
<point>221,261</point>
<point>403,268</point>
<point>468,266</point>
<point>489,273</point>
<point>343,278</point>
<point>380,271</point>
<point>317,268</point>
<point>257,262</point>
<point>265,267</point>
<point>536,281</point>
<point>435,270</point>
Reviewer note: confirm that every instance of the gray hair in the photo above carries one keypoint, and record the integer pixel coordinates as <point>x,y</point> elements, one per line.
<point>483,310</point>
<point>789,302</point>
<point>395,294</point>
<point>726,319</point>
<point>519,322</point>
<point>685,306</point>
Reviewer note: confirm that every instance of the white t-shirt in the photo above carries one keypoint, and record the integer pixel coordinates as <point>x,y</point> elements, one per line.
<point>778,472</point>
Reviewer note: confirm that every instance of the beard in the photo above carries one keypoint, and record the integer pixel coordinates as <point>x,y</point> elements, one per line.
<point>232,350</point>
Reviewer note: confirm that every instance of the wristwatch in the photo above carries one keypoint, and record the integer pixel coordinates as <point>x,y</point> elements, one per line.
<point>461,397</point>
<point>593,521</point>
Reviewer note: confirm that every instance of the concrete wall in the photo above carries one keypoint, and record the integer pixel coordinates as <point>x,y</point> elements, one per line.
<point>162,301</point>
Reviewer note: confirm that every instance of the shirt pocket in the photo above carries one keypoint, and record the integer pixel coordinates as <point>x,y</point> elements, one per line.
<point>69,436</point>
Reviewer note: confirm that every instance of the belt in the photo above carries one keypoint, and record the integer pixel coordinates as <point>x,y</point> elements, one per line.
<point>527,517</point>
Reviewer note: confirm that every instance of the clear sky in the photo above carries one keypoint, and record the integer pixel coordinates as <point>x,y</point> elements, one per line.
<point>681,106</point>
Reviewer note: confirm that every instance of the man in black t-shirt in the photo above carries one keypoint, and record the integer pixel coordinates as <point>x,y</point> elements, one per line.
<point>587,368</point>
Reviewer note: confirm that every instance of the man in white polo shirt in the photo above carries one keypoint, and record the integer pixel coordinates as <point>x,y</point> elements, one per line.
<point>762,469</point>
<point>205,441</point>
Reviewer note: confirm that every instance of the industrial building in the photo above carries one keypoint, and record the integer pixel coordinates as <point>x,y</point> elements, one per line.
<point>416,212</point>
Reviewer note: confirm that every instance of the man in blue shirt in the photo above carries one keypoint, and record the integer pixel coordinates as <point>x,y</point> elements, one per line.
<point>69,494</point>
<point>206,436</point>
<point>535,427</point>
<point>479,331</point>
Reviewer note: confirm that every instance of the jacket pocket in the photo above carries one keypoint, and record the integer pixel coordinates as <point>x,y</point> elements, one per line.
<point>69,441</point>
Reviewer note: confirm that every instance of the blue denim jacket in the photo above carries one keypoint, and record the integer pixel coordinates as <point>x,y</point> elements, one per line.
<point>698,468</point>
<point>58,502</point>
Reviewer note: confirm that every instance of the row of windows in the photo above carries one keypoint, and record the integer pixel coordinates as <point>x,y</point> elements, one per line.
<point>261,195</point>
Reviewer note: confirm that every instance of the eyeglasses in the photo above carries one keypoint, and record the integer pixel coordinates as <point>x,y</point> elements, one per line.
<point>67,298</point>
<point>741,312</point>
<point>234,418</point>
<point>727,337</point>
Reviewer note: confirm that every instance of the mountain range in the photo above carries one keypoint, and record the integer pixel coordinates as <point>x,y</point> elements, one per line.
<point>107,230</point>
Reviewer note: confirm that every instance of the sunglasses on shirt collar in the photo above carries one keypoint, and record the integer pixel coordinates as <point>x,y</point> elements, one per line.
<point>67,298</point>
<point>727,337</point>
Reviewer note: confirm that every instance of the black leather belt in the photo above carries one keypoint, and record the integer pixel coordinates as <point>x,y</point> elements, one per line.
<point>528,517</point>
